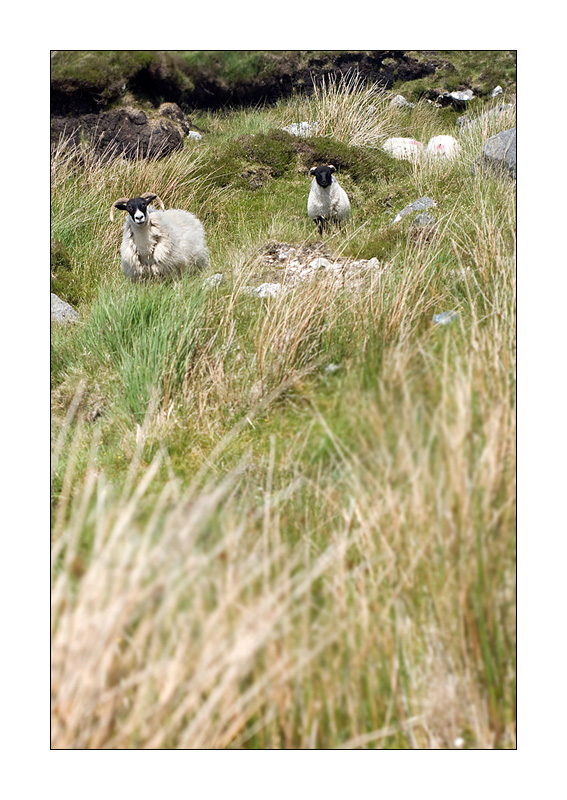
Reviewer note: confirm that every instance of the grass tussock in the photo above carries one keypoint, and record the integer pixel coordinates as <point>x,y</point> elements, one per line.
<point>287,522</point>
<point>347,108</point>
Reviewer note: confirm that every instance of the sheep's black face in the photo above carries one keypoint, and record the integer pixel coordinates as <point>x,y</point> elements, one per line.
<point>137,208</point>
<point>323,176</point>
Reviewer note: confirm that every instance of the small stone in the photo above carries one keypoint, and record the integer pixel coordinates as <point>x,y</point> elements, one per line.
<point>194,135</point>
<point>213,280</point>
<point>320,263</point>
<point>445,317</point>
<point>399,101</point>
<point>267,290</point>
<point>331,368</point>
<point>466,95</point>
<point>302,128</point>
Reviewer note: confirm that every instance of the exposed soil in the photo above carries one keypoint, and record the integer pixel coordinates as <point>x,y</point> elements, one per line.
<point>191,89</point>
<point>125,131</point>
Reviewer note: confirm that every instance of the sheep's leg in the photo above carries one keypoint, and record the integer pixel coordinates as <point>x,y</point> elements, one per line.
<point>321,223</point>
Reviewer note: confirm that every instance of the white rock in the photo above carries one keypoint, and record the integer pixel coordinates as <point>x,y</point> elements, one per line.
<point>330,368</point>
<point>267,289</point>
<point>467,94</point>
<point>213,280</point>
<point>195,135</point>
<point>399,101</point>
<point>320,263</point>
<point>302,128</point>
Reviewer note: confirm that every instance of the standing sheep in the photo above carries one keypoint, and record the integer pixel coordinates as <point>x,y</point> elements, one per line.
<point>328,201</point>
<point>159,244</point>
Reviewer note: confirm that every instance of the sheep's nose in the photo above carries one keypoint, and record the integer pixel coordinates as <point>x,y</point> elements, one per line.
<point>139,216</point>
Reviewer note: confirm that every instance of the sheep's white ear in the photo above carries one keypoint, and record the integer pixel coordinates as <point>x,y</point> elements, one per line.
<point>332,168</point>
<point>313,170</point>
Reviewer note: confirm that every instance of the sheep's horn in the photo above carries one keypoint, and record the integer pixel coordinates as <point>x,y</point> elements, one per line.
<point>114,205</point>
<point>147,195</point>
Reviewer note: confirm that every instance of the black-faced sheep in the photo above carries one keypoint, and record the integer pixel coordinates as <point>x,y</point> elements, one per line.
<point>328,201</point>
<point>159,244</point>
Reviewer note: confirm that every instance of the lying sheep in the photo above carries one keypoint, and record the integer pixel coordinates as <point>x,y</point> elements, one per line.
<point>403,147</point>
<point>328,201</point>
<point>446,146</point>
<point>159,244</point>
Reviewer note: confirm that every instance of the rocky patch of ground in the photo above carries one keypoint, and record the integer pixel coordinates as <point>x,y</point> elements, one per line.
<point>287,265</point>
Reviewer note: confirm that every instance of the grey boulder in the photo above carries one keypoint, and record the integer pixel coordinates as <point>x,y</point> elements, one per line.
<point>417,205</point>
<point>62,311</point>
<point>499,153</point>
<point>423,220</point>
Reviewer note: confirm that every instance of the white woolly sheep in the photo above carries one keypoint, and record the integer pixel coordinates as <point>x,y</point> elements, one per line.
<point>159,244</point>
<point>446,146</point>
<point>402,147</point>
<point>328,201</point>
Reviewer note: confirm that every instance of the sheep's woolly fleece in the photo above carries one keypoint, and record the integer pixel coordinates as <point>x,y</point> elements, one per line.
<point>169,243</point>
<point>408,149</point>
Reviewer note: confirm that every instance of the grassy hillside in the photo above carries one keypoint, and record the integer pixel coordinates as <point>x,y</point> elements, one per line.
<point>287,522</point>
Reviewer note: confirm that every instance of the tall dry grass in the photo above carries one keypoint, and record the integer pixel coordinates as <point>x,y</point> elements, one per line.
<point>346,107</point>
